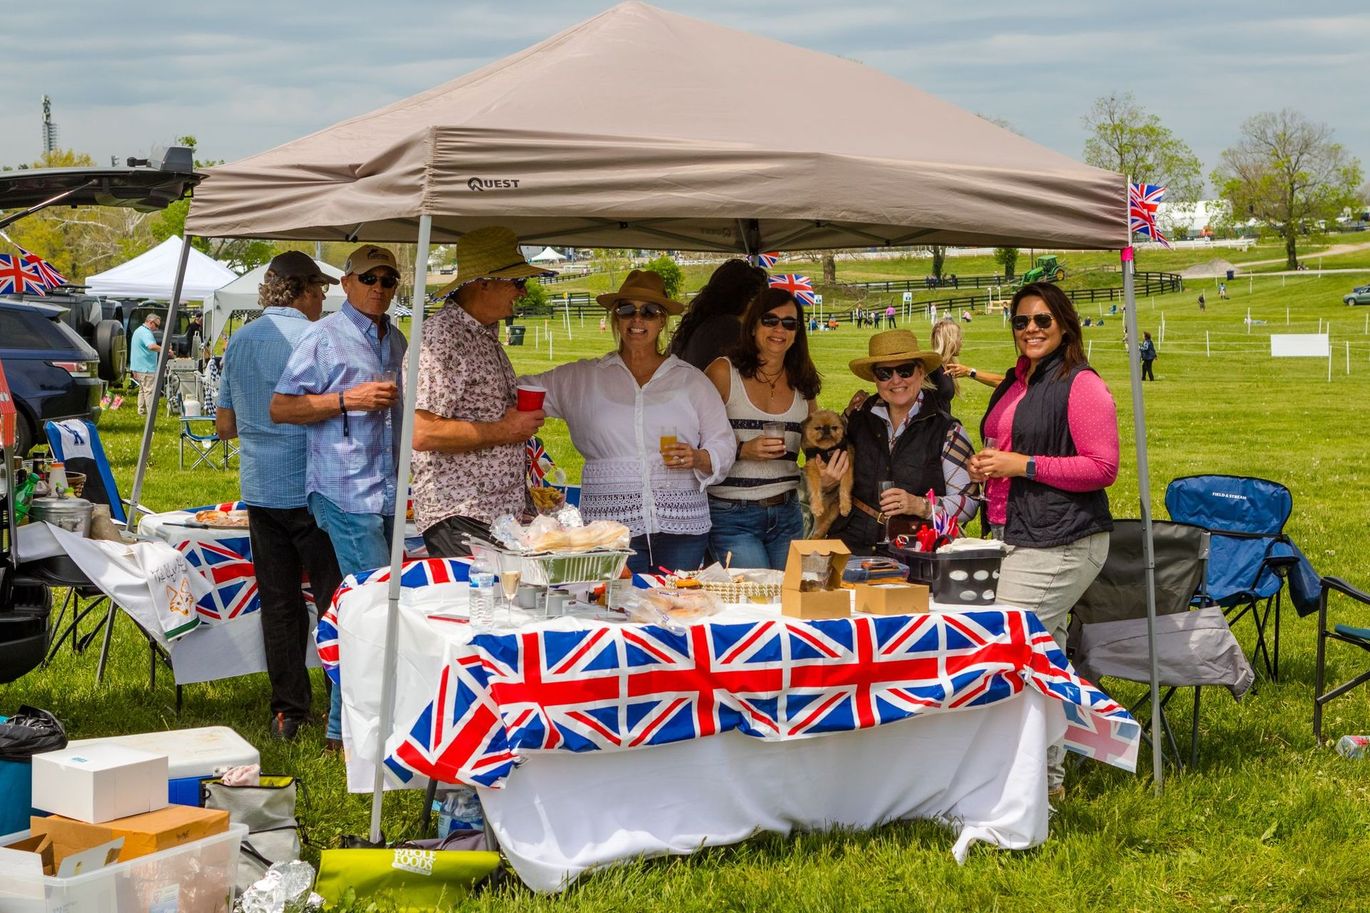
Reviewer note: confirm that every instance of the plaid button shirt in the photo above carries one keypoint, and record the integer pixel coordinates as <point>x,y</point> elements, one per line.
<point>356,471</point>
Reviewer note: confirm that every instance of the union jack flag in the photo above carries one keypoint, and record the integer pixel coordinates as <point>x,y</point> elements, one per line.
<point>798,286</point>
<point>227,564</point>
<point>766,260</point>
<point>1142,202</point>
<point>46,274</point>
<point>18,278</point>
<point>539,462</point>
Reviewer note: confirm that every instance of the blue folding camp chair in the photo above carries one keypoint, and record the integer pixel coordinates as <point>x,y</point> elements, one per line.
<point>1249,554</point>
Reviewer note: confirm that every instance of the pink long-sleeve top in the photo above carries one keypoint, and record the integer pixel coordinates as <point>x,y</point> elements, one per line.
<point>1093,422</point>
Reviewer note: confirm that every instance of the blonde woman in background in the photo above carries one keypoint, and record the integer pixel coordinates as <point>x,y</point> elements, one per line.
<point>946,341</point>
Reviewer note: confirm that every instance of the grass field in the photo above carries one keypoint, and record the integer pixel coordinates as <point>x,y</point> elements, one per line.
<point>1267,822</point>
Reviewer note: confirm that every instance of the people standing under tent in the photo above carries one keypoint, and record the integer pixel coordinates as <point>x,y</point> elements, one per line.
<point>285,538</point>
<point>652,430</point>
<point>713,324</point>
<point>1147,352</point>
<point>142,359</point>
<point>1055,429</point>
<point>469,438</point>
<point>768,380</point>
<point>342,384</point>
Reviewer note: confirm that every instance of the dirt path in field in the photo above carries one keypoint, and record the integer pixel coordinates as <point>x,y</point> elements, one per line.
<point>1330,252</point>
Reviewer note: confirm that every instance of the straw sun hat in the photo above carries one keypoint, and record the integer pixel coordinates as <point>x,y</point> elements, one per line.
<point>491,253</point>
<point>642,285</point>
<point>893,347</point>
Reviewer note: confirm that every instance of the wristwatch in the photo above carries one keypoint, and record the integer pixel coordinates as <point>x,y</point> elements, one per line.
<point>1031,471</point>
<point>972,373</point>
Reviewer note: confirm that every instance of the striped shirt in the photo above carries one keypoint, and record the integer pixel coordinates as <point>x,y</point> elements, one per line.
<point>959,500</point>
<point>356,471</point>
<point>752,480</point>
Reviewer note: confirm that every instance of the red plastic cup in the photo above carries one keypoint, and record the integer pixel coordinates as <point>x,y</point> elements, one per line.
<point>530,398</point>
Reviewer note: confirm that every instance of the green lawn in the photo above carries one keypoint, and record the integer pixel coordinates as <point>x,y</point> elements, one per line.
<point>1268,821</point>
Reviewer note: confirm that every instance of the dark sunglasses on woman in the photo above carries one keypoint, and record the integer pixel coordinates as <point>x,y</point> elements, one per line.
<point>885,372</point>
<point>1043,321</point>
<point>771,320</point>
<point>647,312</point>
<point>385,281</point>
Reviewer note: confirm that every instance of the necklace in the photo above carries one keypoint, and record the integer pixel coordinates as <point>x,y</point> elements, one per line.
<point>770,380</point>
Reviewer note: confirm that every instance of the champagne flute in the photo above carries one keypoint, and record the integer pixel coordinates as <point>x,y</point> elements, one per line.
<point>665,443</point>
<point>883,486</point>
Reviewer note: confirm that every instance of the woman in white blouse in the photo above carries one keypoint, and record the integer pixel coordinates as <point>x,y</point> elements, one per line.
<point>652,429</point>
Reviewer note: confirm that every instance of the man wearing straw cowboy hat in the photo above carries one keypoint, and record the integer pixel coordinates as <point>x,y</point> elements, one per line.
<point>469,464</point>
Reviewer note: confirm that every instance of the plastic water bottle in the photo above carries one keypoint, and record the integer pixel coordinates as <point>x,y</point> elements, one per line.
<point>459,811</point>
<point>1354,746</point>
<point>482,610</point>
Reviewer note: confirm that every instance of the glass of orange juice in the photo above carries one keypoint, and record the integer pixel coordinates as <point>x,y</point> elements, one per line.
<point>667,441</point>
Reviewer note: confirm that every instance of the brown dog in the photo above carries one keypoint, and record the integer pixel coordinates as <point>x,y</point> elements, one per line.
<point>824,434</point>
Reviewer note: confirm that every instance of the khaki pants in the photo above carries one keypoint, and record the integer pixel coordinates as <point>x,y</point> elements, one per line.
<point>145,387</point>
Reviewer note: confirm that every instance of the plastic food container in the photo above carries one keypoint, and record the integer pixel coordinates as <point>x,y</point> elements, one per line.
<point>967,577</point>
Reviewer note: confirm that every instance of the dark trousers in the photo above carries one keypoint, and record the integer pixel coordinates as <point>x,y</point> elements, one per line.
<point>444,539</point>
<point>286,543</point>
<point>1146,369</point>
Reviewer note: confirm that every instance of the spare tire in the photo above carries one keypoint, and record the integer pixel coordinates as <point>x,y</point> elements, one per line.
<point>112,345</point>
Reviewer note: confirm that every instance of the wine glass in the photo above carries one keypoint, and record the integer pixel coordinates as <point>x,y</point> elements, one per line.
<point>883,485</point>
<point>510,574</point>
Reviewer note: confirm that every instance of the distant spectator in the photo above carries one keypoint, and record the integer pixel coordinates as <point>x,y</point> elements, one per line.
<point>1222,290</point>
<point>1203,302</point>
<point>1147,352</point>
<point>889,317</point>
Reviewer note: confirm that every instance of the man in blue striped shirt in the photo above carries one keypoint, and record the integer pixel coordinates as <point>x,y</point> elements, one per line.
<point>342,385</point>
<point>285,539</point>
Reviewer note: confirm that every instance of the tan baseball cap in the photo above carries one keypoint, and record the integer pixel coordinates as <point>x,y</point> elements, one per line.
<point>367,257</point>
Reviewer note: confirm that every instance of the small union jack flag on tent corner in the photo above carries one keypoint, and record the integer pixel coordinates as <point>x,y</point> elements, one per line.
<point>798,286</point>
<point>18,278</point>
<point>766,260</point>
<point>1142,201</point>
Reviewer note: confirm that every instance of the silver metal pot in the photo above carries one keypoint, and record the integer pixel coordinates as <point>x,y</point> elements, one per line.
<point>72,514</point>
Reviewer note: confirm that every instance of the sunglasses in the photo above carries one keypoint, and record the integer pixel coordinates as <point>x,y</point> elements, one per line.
<point>386,281</point>
<point>789,323</point>
<point>1043,321</point>
<point>885,372</point>
<point>647,312</point>
<point>519,284</point>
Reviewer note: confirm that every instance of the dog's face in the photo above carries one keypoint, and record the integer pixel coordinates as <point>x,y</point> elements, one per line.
<point>824,429</point>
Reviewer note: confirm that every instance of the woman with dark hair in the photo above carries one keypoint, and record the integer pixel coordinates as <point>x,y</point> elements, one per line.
<point>712,326</point>
<point>769,386</point>
<point>1055,432</point>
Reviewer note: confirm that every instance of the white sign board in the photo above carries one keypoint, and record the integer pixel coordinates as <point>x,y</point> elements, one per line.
<point>1300,345</point>
<point>908,297</point>
<point>818,299</point>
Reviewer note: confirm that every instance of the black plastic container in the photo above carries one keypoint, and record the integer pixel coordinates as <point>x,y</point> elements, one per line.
<point>968,577</point>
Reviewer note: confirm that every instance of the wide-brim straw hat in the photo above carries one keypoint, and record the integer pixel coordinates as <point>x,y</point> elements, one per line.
<point>491,253</point>
<point>642,285</point>
<point>893,347</point>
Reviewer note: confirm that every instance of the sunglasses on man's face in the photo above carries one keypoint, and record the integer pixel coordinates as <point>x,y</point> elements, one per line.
<point>771,320</point>
<point>885,372</point>
<point>647,311</point>
<point>1043,321</point>
<point>386,281</point>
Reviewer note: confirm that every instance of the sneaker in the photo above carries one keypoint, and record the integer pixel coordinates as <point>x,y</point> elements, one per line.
<point>286,727</point>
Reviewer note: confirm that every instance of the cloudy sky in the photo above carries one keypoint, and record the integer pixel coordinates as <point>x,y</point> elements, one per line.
<point>246,76</point>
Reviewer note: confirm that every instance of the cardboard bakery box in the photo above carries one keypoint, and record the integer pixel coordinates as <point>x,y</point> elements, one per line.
<point>99,783</point>
<point>891,598</point>
<point>832,601</point>
<point>32,854</point>
<point>143,834</point>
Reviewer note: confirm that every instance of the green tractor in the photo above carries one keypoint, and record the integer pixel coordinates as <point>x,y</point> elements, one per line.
<point>1046,269</point>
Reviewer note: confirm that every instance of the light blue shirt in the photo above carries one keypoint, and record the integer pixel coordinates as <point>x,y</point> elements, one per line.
<point>272,461</point>
<point>142,359</point>
<point>356,471</point>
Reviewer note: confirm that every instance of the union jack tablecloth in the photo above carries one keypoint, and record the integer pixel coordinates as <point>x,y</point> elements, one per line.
<point>613,687</point>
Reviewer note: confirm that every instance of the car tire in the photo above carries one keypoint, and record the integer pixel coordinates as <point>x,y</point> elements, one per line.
<point>112,346</point>
<point>23,435</point>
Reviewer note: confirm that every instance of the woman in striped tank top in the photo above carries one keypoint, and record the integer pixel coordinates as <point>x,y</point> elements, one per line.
<point>769,385</point>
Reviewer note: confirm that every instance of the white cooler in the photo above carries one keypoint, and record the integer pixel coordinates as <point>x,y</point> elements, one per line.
<point>192,755</point>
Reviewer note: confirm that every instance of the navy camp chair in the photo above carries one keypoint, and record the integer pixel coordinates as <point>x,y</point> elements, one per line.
<point>1342,633</point>
<point>77,444</point>
<point>1249,554</point>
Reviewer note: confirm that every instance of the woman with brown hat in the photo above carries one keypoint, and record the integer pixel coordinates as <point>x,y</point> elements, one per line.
<point>904,445</point>
<point>652,429</point>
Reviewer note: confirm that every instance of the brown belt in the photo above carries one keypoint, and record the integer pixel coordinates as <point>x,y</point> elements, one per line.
<point>877,515</point>
<point>772,501</point>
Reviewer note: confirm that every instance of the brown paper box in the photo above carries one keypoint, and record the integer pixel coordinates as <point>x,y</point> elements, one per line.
<point>143,834</point>
<point>834,602</point>
<point>41,846</point>
<point>70,836</point>
<point>891,598</point>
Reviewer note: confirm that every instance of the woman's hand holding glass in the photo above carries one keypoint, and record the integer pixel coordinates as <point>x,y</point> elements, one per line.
<point>682,456</point>
<point>898,502</point>
<point>997,464</point>
<point>762,447</point>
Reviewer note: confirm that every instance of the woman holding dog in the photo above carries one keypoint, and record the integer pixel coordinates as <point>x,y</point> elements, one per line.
<point>768,385</point>
<point>904,436</point>
<point>1055,428</point>
<point>651,428</point>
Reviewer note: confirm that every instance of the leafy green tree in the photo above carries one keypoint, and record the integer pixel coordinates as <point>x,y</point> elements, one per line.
<point>1127,139</point>
<point>1287,172</point>
<point>1007,257</point>
<point>939,259</point>
<point>671,275</point>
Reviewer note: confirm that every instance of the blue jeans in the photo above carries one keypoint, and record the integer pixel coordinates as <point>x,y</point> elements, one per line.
<point>757,536</point>
<point>673,551</point>
<point>361,542</point>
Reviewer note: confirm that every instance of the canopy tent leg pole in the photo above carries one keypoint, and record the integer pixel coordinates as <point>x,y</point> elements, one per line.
<point>169,328</point>
<point>1144,496</point>
<point>397,530</point>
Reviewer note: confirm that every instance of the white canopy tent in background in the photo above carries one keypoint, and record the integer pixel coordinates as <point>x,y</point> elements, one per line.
<point>674,157</point>
<point>241,295</point>
<point>547,256</point>
<point>151,275</point>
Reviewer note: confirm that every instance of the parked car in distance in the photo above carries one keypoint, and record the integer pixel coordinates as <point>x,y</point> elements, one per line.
<point>99,321</point>
<point>1359,295</point>
<point>53,373</point>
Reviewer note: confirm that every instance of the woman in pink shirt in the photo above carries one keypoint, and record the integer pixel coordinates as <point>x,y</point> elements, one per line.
<point>1055,430</point>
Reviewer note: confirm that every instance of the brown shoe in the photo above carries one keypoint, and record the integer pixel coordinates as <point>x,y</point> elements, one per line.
<point>332,746</point>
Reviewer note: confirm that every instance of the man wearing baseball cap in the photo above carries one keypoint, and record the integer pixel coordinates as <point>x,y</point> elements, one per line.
<point>469,464</point>
<point>285,538</point>
<point>341,385</point>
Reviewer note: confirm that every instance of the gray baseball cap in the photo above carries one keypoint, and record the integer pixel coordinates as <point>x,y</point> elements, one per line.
<point>296,264</point>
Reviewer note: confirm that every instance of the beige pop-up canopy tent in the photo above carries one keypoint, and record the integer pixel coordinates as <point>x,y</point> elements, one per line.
<point>658,141</point>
